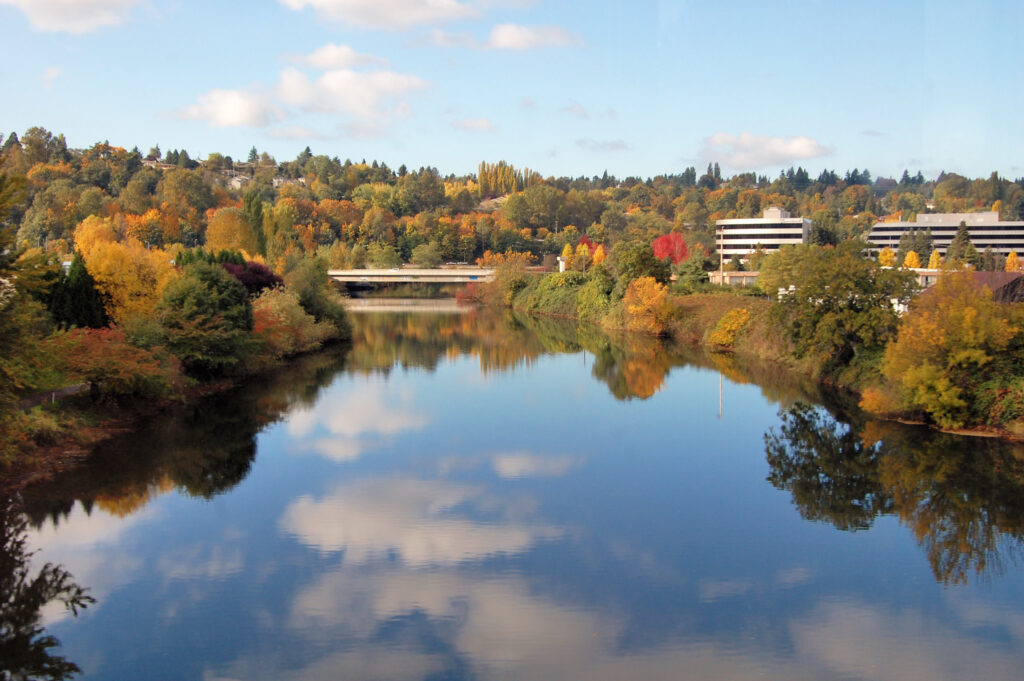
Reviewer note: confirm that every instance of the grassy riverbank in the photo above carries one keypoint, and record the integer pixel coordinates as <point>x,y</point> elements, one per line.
<point>954,360</point>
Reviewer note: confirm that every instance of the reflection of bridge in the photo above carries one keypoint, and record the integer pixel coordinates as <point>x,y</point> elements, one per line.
<point>455,275</point>
<point>409,305</point>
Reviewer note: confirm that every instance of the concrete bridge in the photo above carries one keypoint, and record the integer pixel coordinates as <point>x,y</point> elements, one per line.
<point>454,275</point>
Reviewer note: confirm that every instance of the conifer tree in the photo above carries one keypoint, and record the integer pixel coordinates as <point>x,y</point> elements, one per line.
<point>76,301</point>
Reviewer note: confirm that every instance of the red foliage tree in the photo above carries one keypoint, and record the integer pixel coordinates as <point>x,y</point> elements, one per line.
<point>672,246</point>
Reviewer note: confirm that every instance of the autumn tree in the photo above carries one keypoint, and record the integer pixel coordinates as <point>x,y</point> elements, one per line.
<point>886,257</point>
<point>646,304</point>
<point>206,316</point>
<point>671,246</point>
<point>954,339</point>
<point>1012,262</point>
<point>230,229</point>
<point>912,260</point>
<point>567,253</point>
<point>130,277</point>
<point>934,260</point>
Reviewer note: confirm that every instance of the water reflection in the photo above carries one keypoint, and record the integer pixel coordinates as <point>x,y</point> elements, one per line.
<point>25,647</point>
<point>410,521</point>
<point>204,451</point>
<point>962,498</point>
<point>457,498</point>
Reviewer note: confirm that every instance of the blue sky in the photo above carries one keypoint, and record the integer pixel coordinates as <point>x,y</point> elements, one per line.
<point>567,88</point>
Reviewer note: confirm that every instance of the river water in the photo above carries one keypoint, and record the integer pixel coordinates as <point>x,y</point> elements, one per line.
<point>477,496</point>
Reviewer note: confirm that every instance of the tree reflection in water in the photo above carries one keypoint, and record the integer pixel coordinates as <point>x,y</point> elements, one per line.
<point>25,647</point>
<point>202,451</point>
<point>962,498</point>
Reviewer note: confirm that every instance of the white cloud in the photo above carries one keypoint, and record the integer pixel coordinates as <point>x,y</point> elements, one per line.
<point>601,145</point>
<point>515,37</point>
<point>51,74</point>
<point>475,125</point>
<point>386,14</point>
<point>333,56</point>
<point>406,518</point>
<point>345,91</point>
<point>747,151</point>
<point>232,108</point>
<point>73,16</point>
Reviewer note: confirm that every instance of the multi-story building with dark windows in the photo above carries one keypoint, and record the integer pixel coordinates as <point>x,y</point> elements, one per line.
<point>776,228</point>
<point>986,231</point>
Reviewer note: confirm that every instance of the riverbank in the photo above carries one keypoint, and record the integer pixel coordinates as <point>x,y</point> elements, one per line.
<point>748,325</point>
<point>67,432</point>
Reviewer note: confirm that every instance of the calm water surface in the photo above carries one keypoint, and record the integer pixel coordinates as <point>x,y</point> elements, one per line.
<point>475,496</point>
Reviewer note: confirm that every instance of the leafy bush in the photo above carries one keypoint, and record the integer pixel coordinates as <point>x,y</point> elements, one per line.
<point>594,297</point>
<point>206,316</point>
<point>723,336</point>
<point>114,368</point>
<point>283,327</point>
<point>254,276</point>
<point>555,293</point>
<point>309,281</point>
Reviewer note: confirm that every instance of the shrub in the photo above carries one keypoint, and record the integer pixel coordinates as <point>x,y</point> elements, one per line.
<point>283,327</point>
<point>723,336</point>
<point>206,316</point>
<point>113,368</point>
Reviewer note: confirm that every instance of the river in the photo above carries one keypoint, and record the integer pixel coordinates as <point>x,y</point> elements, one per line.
<point>481,496</point>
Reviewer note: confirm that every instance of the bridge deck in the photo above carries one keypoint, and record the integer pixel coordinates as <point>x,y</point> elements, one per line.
<point>458,275</point>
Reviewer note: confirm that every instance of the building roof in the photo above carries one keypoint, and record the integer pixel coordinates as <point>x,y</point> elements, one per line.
<point>925,220</point>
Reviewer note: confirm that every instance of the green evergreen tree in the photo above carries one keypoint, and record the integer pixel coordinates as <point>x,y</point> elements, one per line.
<point>76,301</point>
<point>252,206</point>
<point>961,249</point>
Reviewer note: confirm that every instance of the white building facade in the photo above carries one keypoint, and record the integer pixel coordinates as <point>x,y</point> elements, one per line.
<point>986,231</point>
<point>775,229</point>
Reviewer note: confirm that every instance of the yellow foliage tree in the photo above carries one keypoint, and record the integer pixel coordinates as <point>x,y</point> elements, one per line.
<point>131,277</point>
<point>935,260</point>
<point>92,231</point>
<point>1012,262</point>
<point>230,230</point>
<point>912,260</point>
<point>599,254</point>
<point>948,345</point>
<point>567,254</point>
<point>886,258</point>
<point>582,258</point>
<point>646,304</point>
